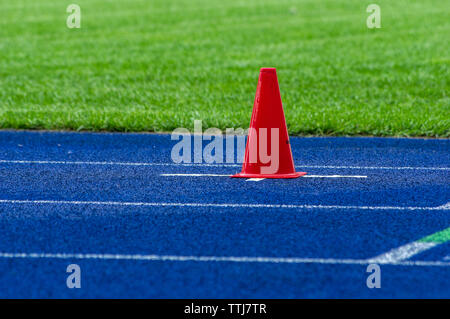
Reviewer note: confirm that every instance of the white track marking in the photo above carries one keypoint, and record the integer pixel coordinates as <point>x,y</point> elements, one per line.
<point>244,259</point>
<point>446,206</point>
<point>375,167</point>
<point>113,163</point>
<point>196,175</point>
<point>313,176</point>
<point>224,205</point>
<point>45,162</point>
<point>334,176</point>
<point>106,163</point>
<point>259,179</point>
<point>403,252</point>
<point>447,258</point>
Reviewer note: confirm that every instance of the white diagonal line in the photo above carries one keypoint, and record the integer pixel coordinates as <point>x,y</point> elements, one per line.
<point>445,206</point>
<point>403,252</point>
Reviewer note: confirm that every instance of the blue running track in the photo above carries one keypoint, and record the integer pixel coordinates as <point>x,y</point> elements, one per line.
<point>113,204</point>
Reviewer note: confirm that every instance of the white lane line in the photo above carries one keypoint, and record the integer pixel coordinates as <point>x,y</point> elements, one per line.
<point>254,179</point>
<point>107,163</point>
<point>244,259</point>
<point>334,176</point>
<point>375,167</point>
<point>259,179</point>
<point>446,206</point>
<point>403,252</point>
<point>43,162</point>
<point>196,175</point>
<point>224,205</point>
<point>411,249</point>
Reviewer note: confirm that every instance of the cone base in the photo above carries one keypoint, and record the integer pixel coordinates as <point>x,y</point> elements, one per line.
<point>290,175</point>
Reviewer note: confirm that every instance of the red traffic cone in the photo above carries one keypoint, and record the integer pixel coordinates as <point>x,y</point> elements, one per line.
<point>268,126</point>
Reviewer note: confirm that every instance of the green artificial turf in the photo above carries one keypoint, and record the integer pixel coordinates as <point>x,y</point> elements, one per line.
<point>156,65</point>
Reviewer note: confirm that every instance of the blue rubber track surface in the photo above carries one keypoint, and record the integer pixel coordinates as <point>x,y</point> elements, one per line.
<point>100,201</point>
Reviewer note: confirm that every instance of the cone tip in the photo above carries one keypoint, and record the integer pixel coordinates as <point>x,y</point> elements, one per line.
<point>268,70</point>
